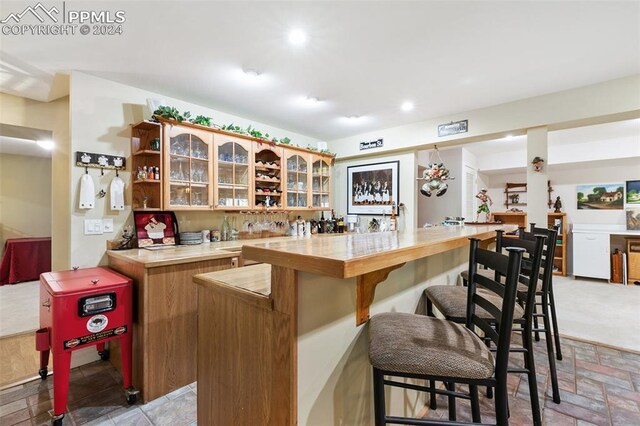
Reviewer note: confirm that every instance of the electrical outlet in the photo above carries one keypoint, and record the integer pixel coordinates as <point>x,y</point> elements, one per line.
<point>107,225</point>
<point>93,227</point>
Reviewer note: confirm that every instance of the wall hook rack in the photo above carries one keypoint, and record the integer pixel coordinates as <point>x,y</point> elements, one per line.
<point>101,161</point>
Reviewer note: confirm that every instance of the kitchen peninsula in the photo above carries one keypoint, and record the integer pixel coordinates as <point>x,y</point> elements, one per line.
<point>282,342</point>
<point>165,309</point>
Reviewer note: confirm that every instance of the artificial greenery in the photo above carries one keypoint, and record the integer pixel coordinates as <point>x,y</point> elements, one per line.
<point>202,120</point>
<point>171,113</point>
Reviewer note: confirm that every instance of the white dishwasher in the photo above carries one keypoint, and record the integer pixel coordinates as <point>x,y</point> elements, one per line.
<point>591,251</point>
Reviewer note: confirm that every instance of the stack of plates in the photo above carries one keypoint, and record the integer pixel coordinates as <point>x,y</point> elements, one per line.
<point>190,238</point>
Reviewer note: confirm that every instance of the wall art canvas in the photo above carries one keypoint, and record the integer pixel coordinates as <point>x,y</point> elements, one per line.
<point>633,192</point>
<point>373,188</point>
<point>159,228</point>
<point>609,196</point>
<point>633,219</point>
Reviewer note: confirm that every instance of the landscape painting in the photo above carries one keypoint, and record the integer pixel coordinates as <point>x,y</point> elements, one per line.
<point>608,196</point>
<point>633,192</point>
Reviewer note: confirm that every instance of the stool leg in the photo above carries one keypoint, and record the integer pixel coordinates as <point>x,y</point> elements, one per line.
<point>378,397</point>
<point>452,400</point>
<point>553,374</point>
<point>554,317</point>
<point>429,308</point>
<point>535,320</point>
<point>533,381</point>
<point>475,404</point>
<point>62,363</point>
<point>433,403</point>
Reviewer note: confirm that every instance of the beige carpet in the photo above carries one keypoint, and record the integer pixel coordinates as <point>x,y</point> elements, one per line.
<point>19,308</point>
<point>597,311</point>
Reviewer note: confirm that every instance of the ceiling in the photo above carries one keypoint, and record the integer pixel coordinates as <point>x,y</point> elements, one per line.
<point>361,58</point>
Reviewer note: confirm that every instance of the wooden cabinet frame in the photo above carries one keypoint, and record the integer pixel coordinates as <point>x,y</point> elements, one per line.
<point>215,140</point>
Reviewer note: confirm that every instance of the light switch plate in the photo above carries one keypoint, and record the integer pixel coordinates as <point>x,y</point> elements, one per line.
<point>93,227</point>
<point>107,225</point>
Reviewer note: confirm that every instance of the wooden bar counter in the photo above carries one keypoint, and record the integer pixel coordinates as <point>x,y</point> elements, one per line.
<point>165,309</point>
<point>282,343</point>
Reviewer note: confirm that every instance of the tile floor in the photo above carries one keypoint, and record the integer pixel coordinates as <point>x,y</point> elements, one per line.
<point>599,386</point>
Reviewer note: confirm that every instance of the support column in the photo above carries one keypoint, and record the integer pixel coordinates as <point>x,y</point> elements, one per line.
<point>537,197</point>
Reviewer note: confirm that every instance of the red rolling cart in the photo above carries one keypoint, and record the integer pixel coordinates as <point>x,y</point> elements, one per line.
<point>81,308</point>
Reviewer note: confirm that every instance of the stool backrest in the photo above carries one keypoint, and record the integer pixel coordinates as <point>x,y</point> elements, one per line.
<point>548,254</point>
<point>509,267</point>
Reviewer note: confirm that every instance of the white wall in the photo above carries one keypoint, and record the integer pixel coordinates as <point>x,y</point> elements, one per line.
<point>407,188</point>
<point>564,180</point>
<point>101,112</point>
<point>25,197</point>
<point>570,108</point>
<point>434,209</point>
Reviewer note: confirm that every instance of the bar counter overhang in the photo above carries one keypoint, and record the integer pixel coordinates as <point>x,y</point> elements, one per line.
<point>285,344</point>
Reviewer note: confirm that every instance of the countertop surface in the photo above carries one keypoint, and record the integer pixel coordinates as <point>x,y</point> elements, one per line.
<point>187,253</point>
<point>351,255</point>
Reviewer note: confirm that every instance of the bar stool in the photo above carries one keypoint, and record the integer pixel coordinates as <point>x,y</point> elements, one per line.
<point>545,292</point>
<point>422,347</point>
<point>451,302</point>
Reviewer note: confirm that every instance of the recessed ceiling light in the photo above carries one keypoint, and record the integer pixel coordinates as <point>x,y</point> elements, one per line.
<point>354,119</point>
<point>249,76</point>
<point>297,37</point>
<point>48,145</point>
<point>251,73</point>
<point>407,106</point>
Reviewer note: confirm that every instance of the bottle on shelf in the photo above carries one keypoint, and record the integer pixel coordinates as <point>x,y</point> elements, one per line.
<point>225,233</point>
<point>341,224</point>
<point>393,222</point>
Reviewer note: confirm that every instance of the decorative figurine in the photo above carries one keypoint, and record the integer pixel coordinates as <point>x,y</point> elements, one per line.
<point>537,162</point>
<point>515,198</point>
<point>484,205</point>
<point>557,205</point>
<point>435,176</point>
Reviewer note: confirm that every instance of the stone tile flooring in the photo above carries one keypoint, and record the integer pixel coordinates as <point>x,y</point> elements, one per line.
<point>598,386</point>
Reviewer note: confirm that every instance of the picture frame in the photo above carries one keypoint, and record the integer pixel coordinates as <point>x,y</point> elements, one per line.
<point>633,192</point>
<point>156,228</point>
<point>608,196</point>
<point>372,189</point>
<point>633,219</point>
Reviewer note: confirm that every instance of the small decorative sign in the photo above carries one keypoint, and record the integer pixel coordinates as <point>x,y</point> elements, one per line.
<point>453,128</point>
<point>102,161</point>
<point>372,144</point>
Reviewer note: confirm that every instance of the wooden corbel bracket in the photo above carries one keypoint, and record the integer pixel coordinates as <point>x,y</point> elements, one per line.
<point>366,290</point>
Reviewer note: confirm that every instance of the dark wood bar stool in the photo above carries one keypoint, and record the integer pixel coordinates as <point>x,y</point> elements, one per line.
<point>422,347</point>
<point>545,292</point>
<point>451,302</point>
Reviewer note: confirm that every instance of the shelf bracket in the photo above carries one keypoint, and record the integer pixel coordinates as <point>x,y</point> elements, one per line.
<point>366,290</point>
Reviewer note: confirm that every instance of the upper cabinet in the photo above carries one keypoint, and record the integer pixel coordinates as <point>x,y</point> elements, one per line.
<point>197,168</point>
<point>188,169</point>
<point>146,165</point>
<point>233,173</point>
<point>320,182</point>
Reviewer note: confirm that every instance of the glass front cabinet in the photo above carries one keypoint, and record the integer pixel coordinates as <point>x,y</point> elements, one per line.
<point>320,182</point>
<point>188,169</point>
<point>233,173</point>
<point>297,175</point>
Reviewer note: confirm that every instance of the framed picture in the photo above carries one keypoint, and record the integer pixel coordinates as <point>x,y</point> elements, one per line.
<point>607,196</point>
<point>373,188</point>
<point>633,219</point>
<point>158,228</point>
<point>633,192</point>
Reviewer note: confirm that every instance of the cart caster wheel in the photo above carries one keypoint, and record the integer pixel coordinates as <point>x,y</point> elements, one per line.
<point>131,399</point>
<point>43,373</point>
<point>57,421</point>
<point>104,355</point>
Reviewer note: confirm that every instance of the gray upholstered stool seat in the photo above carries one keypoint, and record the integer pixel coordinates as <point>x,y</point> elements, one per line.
<point>418,344</point>
<point>451,301</point>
